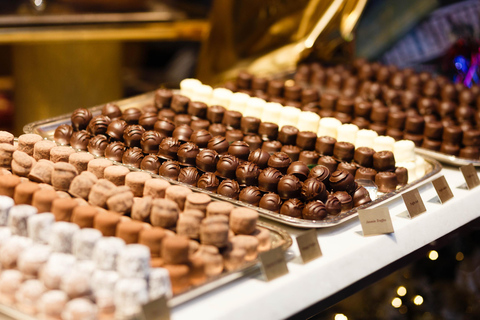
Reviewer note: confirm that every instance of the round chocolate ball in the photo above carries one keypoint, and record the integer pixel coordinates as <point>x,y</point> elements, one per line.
<point>239,149</point>
<point>251,195</point>
<point>342,181</point>
<point>148,120</point>
<point>115,129</point>
<point>188,175</point>
<point>80,119</point>
<point>208,181</point>
<point>150,141</point>
<point>217,129</point>
<point>150,163</point>
<point>182,133</point>
<point>63,134</point>
<point>280,161</point>
<point>131,115</point>
<point>346,201</point>
<point>247,174</point>
<point>299,169</point>
<point>133,157</point>
<point>289,186</point>
<point>80,139</point>
<point>98,125</point>
<point>347,166</point>
<point>168,148</point>
<point>201,138</point>
<point>97,145</point>
<point>328,162</point>
<point>360,196</point>
<point>314,210</point>
<point>200,124</point>
<point>164,126</point>
<point>270,201</point>
<point>226,166</point>
<point>268,179</point>
<point>115,151</point>
<point>181,119</point>
<point>206,160</point>
<point>292,208</point>
<point>132,135</point>
<point>219,144</point>
<point>314,189</point>
<point>187,154</point>
<point>169,169</point>
<point>229,188</point>
<point>333,206</point>
<point>259,157</point>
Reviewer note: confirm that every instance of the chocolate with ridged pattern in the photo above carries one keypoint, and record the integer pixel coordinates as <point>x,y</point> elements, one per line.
<point>97,145</point>
<point>131,115</point>
<point>229,188</point>
<point>150,163</point>
<point>299,169</point>
<point>168,148</point>
<point>219,144</point>
<point>115,151</point>
<point>208,181</point>
<point>115,129</point>
<point>98,125</point>
<point>268,179</point>
<point>270,201</point>
<point>251,195</point>
<point>226,166</point>
<point>289,186</point>
<point>133,135</point>
<point>164,126</point>
<point>63,134</point>
<point>80,139</point>
<point>169,169</point>
<point>292,208</point>
<point>187,154</point>
<point>133,157</point>
<point>201,138</point>
<point>80,119</point>
<point>150,141</point>
<point>206,160</point>
<point>314,210</point>
<point>342,181</point>
<point>189,175</point>
<point>280,161</point>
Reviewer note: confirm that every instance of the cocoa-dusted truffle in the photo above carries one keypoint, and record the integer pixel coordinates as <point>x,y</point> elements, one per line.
<point>325,145</point>
<point>288,135</point>
<point>292,208</point>
<point>62,134</point>
<point>164,126</point>
<point>97,145</point>
<point>219,144</point>
<point>365,173</point>
<point>293,152</point>
<point>229,188</point>
<point>289,186</point>
<point>215,114</point>
<point>342,181</point>
<point>384,161</point>
<point>201,138</point>
<point>98,124</point>
<point>360,196</point>
<point>189,175</point>
<point>299,169</point>
<point>363,156</point>
<point>150,163</point>
<point>133,135</point>
<point>254,141</point>
<point>131,115</point>
<point>226,166</point>
<point>112,111</point>
<point>187,154</point>
<point>168,148</point>
<point>133,157</point>
<point>169,169</point>
<point>206,160</point>
<point>386,181</point>
<point>268,131</point>
<point>115,151</point>
<point>329,162</point>
<point>150,141</point>
<point>232,119</point>
<point>208,181</point>
<point>259,157</point>
<point>280,161</point>
<point>80,140</point>
<point>80,119</point>
<point>345,199</point>
<point>270,201</point>
<point>116,128</point>
<point>268,179</point>
<point>333,205</point>
<point>251,195</point>
<point>247,174</point>
<point>344,151</point>
<point>313,189</point>
<point>314,210</point>
<point>239,149</point>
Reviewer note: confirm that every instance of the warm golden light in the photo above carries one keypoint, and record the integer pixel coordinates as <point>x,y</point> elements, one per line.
<point>418,300</point>
<point>340,316</point>
<point>401,291</point>
<point>397,302</point>
<point>433,255</point>
<point>459,256</point>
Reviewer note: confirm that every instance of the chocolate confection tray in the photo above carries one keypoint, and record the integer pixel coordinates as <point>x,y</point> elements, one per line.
<point>447,159</point>
<point>46,129</point>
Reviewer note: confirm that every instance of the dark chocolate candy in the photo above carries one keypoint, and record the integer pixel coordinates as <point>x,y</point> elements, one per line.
<point>289,186</point>
<point>133,157</point>
<point>206,160</point>
<point>133,135</point>
<point>314,189</point>
<point>179,103</point>
<point>288,135</point>
<point>306,140</point>
<point>80,119</point>
<point>215,114</point>
<point>150,163</point>
<point>365,173</point>
<point>115,151</point>
<point>251,195</point>
<point>168,114</point>
<point>208,181</point>
<point>386,181</point>
<point>345,199</point>
<point>232,119</point>
<point>98,125</point>
<point>112,111</point>
<point>150,141</point>
<point>239,149</point>
<point>226,166</point>
<point>63,134</point>
<point>200,124</point>
<point>182,133</point>
<point>268,131</point>
<point>219,144</point>
<point>402,175</point>
<point>254,141</point>
<point>115,129</point>
<point>189,175</point>
<point>147,120</point>
<point>163,98</point>
<point>270,201</point>
<point>325,145</point>
<point>272,146</point>
<point>347,166</point>
<point>247,174</point>
<point>333,205</point>
<point>328,162</point>
<point>197,109</point>
<point>229,188</point>
<point>314,210</point>
<point>168,148</point>
<point>292,208</point>
<point>164,126</point>
<point>169,169</point>
<point>309,157</point>
<point>384,161</point>
<point>80,139</point>
<point>363,156</point>
<point>234,135</point>
<point>187,154</point>
<point>181,119</point>
<point>292,151</point>
<point>268,179</point>
<point>280,161</point>
<point>250,125</point>
<point>97,145</point>
<point>217,129</point>
<point>341,180</point>
<point>259,157</point>
<point>131,115</point>
<point>299,169</point>
<point>361,196</point>
<point>201,138</point>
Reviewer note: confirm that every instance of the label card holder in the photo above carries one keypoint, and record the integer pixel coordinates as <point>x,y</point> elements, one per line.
<point>273,263</point>
<point>470,175</point>
<point>375,221</point>
<point>156,309</point>
<point>443,189</point>
<point>308,245</point>
<point>414,203</point>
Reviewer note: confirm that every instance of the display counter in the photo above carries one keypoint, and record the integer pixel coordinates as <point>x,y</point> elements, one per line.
<point>348,258</point>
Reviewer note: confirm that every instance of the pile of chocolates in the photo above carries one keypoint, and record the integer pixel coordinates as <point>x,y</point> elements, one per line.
<point>243,158</point>
<point>431,111</point>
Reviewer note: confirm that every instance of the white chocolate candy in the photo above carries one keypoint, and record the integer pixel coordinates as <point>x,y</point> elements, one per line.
<point>87,267</point>
<point>103,281</point>
<point>221,97</point>
<point>202,93</point>
<point>238,102</point>
<point>347,133</point>
<point>39,227</point>
<point>254,107</point>
<point>17,218</point>
<point>134,261</point>
<point>57,266</point>
<point>10,282</point>
<point>308,121</point>
<point>289,116</point>
<point>328,127</point>
<point>159,283</point>
<point>6,203</point>
<point>106,251</point>
<point>28,294</point>
<point>272,112</point>
<point>83,242</point>
<point>383,143</point>
<point>62,236</point>
<point>365,138</point>
<point>75,284</point>
<point>5,234</point>
<point>32,259</point>
<point>404,150</point>
<point>129,296</point>
<point>79,308</point>
<point>51,304</point>
<point>187,86</point>
<point>421,166</point>
<point>11,249</point>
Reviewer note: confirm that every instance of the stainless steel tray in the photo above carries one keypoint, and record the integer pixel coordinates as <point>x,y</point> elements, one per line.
<point>447,159</point>
<point>47,127</point>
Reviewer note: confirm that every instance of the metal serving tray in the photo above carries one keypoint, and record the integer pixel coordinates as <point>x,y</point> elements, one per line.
<point>46,129</point>
<point>447,159</point>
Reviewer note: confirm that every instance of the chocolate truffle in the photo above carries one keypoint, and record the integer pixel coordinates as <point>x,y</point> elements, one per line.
<point>360,196</point>
<point>239,149</point>
<point>342,181</point>
<point>80,119</point>
<point>150,163</point>
<point>251,195</point>
<point>325,145</point>
<point>363,156</point>
<point>206,160</point>
<point>182,119</point>
<point>197,109</point>
<point>164,126</point>
<point>314,210</point>
<point>112,111</point>
<point>314,189</point>
<point>344,151</point>
<point>250,125</point>
<point>289,186</point>
<point>208,181</point>
<point>345,199</point>
<point>163,98</point>
<point>182,133</point>
<point>333,205</point>
<point>268,179</point>
<point>288,135</point>
<point>219,144</point>
<point>169,148</point>
<point>232,119</point>
<point>215,114</point>
<point>469,153</point>
<point>226,166</point>
<point>347,166</point>
<point>320,173</point>
<point>415,124</point>
<point>189,175</point>
<point>234,135</point>
<point>306,140</point>
<point>452,134</point>
<point>133,135</point>
<point>179,103</point>
<point>253,140</point>
<point>402,175</point>
<point>309,157</point>
<point>98,125</point>
<point>133,157</point>
<point>280,161</point>
<point>365,173</point>
<point>299,169</point>
<point>217,129</point>
<point>199,125</point>
<point>328,162</point>
<point>115,129</point>
<point>150,141</point>
<point>147,120</point>
<point>272,146</point>
<point>270,201</point>
<point>62,134</point>
<point>168,114</point>
<point>386,181</point>
<point>97,145</point>
<point>247,174</point>
<point>268,131</point>
<point>293,152</point>
<point>259,157</point>
<point>187,154</point>
<point>384,161</point>
<point>169,169</point>
<point>80,140</point>
<point>115,151</point>
<point>201,138</point>
<point>292,208</point>
<point>229,188</point>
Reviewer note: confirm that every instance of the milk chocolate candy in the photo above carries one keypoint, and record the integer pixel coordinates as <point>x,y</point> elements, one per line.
<point>6,137</point>
<point>386,181</point>
<point>131,115</point>
<point>325,145</point>
<point>239,149</point>
<point>226,166</point>
<point>136,181</point>
<point>293,152</point>
<point>80,119</point>
<point>215,113</point>
<point>254,141</point>
<point>115,150</point>
<point>218,144</point>
<point>314,210</point>
<point>80,140</point>
<point>268,131</point>
<point>268,179</point>
<point>384,161</point>
<point>62,134</point>
<point>206,160</point>
<point>98,125</point>
<point>232,119</point>
<point>182,133</point>
<point>345,199</point>
<point>342,181</point>
<point>42,172</point>
<point>169,148</point>
<point>280,161</point>
<point>112,111</point>
<point>247,174</point>
<point>292,208</point>
<point>234,135</point>
<point>251,195</point>
<point>208,181</point>
<point>259,157</point>
<point>201,138</point>
<point>82,184</point>
<point>288,135</point>
<point>217,129</point>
